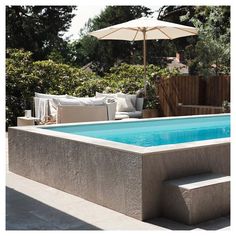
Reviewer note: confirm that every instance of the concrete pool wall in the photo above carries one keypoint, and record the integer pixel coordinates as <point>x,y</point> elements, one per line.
<point>122,177</point>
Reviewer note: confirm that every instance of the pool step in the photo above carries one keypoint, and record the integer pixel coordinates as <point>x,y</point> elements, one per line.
<point>195,199</point>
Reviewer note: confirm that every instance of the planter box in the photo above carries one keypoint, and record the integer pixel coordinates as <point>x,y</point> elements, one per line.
<point>150,113</point>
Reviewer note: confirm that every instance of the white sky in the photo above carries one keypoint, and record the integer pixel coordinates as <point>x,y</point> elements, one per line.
<point>83,13</point>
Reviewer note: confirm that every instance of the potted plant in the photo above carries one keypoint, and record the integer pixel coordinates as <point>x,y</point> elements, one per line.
<point>150,108</point>
<point>151,102</point>
<point>226,106</point>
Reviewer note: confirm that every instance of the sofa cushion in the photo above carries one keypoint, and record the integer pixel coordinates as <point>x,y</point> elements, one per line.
<point>124,105</point>
<point>125,102</point>
<point>49,96</point>
<point>134,114</point>
<point>84,101</point>
<point>107,95</point>
<point>131,97</point>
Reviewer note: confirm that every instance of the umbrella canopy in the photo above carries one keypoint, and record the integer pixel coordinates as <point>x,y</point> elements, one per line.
<point>144,29</point>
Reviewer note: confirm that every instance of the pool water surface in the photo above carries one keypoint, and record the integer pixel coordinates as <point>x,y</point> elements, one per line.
<point>154,132</point>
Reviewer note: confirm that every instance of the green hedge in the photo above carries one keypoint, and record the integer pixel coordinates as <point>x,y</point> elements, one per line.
<point>25,77</point>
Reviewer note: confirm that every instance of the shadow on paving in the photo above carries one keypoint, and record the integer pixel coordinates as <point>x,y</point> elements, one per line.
<point>26,213</point>
<point>216,224</point>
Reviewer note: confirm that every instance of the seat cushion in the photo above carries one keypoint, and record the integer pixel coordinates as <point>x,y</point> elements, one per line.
<point>133,114</point>
<point>121,117</point>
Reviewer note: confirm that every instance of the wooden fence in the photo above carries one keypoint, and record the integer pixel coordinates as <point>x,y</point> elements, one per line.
<point>208,94</point>
<point>185,110</point>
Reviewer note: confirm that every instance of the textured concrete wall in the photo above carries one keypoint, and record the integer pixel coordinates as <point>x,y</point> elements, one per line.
<point>102,175</point>
<point>128,182</point>
<point>180,163</point>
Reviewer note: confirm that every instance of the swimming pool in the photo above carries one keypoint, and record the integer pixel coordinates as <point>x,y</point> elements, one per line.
<point>105,163</point>
<point>155,132</point>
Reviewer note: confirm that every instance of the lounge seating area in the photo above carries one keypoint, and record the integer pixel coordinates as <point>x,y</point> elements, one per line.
<point>128,105</point>
<point>68,109</point>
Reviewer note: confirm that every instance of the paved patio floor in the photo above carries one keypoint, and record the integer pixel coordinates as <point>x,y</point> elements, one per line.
<point>33,206</point>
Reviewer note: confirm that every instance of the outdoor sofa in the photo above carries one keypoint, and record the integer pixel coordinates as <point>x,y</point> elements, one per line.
<point>67,109</point>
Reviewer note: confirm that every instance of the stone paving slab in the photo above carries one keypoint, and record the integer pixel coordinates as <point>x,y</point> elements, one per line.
<point>32,205</point>
<point>26,198</point>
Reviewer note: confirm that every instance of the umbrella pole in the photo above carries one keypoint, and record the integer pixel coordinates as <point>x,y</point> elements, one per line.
<point>144,61</point>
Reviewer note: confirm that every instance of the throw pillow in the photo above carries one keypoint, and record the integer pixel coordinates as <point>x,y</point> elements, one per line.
<point>131,97</point>
<point>124,104</point>
<point>107,95</point>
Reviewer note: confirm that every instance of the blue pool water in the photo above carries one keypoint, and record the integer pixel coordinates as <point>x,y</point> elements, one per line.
<point>155,132</point>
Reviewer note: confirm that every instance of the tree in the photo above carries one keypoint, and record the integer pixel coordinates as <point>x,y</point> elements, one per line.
<point>38,29</point>
<point>212,50</point>
<point>174,14</point>
<point>209,53</point>
<point>105,54</point>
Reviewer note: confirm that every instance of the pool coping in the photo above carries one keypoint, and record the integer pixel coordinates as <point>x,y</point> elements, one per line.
<point>123,146</point>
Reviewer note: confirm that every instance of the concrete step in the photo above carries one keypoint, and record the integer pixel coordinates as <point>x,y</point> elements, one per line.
<point>197,198</point>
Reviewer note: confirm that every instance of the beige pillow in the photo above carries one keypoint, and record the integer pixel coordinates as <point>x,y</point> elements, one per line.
<point>132,97</point>
<point>49,96</point>
<point>107,95</point>
<point>124,105</point>
<point>81,101</point>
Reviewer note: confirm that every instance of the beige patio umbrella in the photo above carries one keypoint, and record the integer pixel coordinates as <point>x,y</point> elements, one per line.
<point>144,29</point>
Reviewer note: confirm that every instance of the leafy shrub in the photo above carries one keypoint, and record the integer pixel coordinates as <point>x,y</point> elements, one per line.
<point>130,78</point>
<point>59,78</point>
<point>25,77</point>
<point>20,84</point>
<point>90,87</point>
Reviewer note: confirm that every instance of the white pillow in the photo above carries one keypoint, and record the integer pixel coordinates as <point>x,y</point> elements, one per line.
<point>49,96</point>
<point>124,104</point>
<point>131,97</point>
<point>71,97</point>
<point>79,101</point>
<point>107,95</point>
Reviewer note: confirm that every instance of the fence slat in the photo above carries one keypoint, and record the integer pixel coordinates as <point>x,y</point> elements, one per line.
<point>192,90</point>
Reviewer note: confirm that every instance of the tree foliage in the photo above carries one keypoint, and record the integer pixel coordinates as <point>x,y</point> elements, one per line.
<point>174,14</point>
<point>38,29</point>
<point>24,77</point>
<point>211,54</point>
<point>107,53</point>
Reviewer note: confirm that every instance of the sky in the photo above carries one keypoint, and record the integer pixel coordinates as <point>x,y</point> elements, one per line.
<point>83,13</point>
